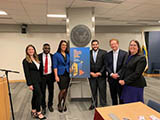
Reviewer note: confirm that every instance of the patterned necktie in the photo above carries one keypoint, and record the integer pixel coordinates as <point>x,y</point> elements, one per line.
<point>46,65</point>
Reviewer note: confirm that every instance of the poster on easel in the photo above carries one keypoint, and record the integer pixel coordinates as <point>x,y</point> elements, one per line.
<point>80,62</point>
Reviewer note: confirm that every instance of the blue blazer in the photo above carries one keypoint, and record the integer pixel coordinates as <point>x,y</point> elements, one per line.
<point>60,64</point>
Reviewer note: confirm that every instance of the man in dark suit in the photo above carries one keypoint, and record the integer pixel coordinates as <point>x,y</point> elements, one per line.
<point>97,78</point>
<point>47,75</point>
<point>114,61</point>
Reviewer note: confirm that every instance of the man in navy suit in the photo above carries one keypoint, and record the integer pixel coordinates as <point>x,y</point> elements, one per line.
<point>114,61</point>
<point>97,78</point>
<point>46,65</point>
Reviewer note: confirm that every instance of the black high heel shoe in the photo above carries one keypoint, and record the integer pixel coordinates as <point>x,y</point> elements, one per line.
<point>65,108</point>
<point>59,108</point>
<point>38,116</point>
<point>34,114</point>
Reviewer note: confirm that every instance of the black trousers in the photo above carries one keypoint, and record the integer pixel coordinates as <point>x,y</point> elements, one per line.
<point>37,97</point>
<point>115,91</point>
<point>98,84</point>
<point>47,81</point>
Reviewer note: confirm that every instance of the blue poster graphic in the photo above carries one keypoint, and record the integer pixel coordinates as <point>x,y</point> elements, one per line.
<point>80,62</point>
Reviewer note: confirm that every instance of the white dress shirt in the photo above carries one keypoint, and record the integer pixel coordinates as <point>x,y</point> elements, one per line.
<point>115,58</point>
<point>37,64</point>
<point>49,64</point>
<point>94,53</point>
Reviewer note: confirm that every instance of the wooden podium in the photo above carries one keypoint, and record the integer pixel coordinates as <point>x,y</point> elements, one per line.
<point>4,100</point>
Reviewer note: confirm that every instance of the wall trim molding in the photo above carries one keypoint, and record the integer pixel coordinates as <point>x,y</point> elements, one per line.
<point>15,81</point>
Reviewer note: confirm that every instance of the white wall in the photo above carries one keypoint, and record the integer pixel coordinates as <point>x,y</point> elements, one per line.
<point>12,49</point>
<point>124,39</point>
<point>12,46</point>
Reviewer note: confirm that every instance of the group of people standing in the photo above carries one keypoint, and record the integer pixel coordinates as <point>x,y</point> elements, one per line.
<point>124,72</point>
<point>41,71</point>
<point>123,69</point>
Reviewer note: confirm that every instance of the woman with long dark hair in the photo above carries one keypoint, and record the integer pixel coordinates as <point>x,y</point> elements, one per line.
<point>32,74</point>
<point>61,71</point>
<point>131,74</point>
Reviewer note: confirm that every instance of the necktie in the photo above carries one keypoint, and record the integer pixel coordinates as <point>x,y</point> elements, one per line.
<point>46,65</point>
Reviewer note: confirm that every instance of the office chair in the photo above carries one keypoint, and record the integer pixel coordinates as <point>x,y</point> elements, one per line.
<point>154,105</point>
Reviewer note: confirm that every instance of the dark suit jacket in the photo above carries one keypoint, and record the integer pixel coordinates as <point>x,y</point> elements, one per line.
<point>32,74</point>
<point>99,66</point>
<point>131,73</point>
<point>109,62</point>
<point>41,64</point>
<point>60,64</point>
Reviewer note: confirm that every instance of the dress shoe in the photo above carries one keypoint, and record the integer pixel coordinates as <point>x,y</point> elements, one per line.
<point>44,111</point>
<point>91,107</point>
<point>50,108</point>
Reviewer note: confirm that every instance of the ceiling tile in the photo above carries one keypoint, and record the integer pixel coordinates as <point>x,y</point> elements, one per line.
<point>130,12</point>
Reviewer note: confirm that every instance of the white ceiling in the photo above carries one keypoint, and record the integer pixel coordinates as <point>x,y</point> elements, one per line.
<point>129,12</point>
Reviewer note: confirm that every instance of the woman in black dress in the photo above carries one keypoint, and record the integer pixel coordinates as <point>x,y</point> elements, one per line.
<point>31,70</point>
<point>61,71</point>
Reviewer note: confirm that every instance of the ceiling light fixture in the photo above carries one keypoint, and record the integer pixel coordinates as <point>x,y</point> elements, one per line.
<point>56,15</point>
<point>159,21</point>
<point>3,13</point>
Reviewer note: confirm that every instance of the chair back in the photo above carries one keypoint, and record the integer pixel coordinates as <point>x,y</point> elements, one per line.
<point>154,105</point>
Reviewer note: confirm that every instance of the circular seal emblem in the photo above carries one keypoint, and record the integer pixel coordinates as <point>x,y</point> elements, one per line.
<point>80,35</point>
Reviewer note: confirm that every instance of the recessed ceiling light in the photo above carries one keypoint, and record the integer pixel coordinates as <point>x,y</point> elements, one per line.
<point>3,13</point>
<point>56,15</point>
<point>159,21</point>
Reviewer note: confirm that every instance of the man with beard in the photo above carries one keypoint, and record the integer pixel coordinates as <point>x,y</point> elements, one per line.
<point>97,78</point>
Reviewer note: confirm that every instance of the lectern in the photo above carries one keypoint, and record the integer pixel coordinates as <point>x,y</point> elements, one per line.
<point>9,91</point>
<point>4,100</point>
